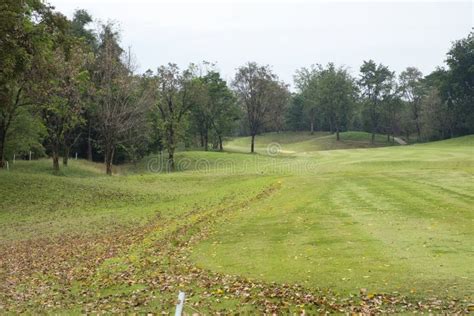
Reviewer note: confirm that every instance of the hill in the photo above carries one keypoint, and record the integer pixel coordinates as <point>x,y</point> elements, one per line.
<point>358,227</point>
<point>303,142</point>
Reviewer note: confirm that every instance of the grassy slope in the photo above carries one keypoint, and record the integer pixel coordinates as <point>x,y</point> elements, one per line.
<point>301,142</point>
<point>387,219</point>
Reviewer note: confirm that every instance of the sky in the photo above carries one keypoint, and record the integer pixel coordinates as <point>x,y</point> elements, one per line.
<point>285,34</point>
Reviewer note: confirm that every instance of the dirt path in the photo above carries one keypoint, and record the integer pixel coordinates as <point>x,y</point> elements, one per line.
<point>400,141</point>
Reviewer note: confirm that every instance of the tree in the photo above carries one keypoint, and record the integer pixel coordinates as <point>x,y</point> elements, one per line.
<point>280,96</point>
<point>122,103</point>
<point>306,81</point>
<point>295,118</point>
<point>26,133</point>
<point>336,94</point>
<point>223,110</point>
<point>253,85</point>
<point>435,116</point>
<point>458,87</point>
<point>411,87</point>
<point>22,41</point>
<point>376,82</point>
<point>173,103</point>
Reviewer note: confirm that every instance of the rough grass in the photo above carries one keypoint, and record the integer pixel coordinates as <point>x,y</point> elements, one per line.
<point>397,219</point>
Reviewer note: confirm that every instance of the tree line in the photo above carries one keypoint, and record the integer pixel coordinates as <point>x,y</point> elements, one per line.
<point>65,87</point>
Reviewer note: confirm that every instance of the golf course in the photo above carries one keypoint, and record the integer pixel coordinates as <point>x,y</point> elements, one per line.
<point>307,224</point>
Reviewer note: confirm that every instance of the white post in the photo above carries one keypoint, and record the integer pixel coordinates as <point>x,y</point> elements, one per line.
<point>179,307</point>
<point>30,155</point>
<point>14,158</point>
<point>8,166</point>
<point>76,155</point>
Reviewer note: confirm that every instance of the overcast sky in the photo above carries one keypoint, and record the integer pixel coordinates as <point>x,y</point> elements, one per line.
<point>284,34</point>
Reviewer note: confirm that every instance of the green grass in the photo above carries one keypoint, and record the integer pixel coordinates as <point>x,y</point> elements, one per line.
<point>391,219</point>
<point>304,142</point>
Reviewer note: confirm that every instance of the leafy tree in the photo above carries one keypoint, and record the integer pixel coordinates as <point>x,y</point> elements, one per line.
<point>223,110</point>
<point>411,87</point>
<point>435,116</point>
<point>336,94</point>
<point>376,82</point>
<point>26,133</point>
<point>173,103</point>
<point>23,39</point>
<point>280,101</point>
<point>295,118</point>
<point>63,105</point>
<point>255,87</point>
<point>306,80</point>
<point>458,88</point>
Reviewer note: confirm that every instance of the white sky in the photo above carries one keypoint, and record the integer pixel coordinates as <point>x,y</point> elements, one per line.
<point>284,34</point>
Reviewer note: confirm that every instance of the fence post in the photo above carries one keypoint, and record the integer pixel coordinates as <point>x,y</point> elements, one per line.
<point>180,305</point>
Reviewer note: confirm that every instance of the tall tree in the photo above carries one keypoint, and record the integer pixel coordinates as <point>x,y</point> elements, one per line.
<point>253,84</point>
<point>376,81</point>
<point>280,96</point>
<point>122,103</point>
<point>223,109</point>
<point>411,87</point>
<point>336,94</point>
<point>61,96</point>
<point>173,103</point>
<point>295,118</point>
<point>458,88</point>
<point>307,80</point>
<point>23,39</point>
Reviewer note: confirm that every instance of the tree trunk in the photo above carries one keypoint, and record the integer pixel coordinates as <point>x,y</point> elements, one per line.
<point>418,130</point>
<point>252,144</point>
<point>202,138</point>
<point>206,141</point>
<point>109,157</point>
<point>388,137</point>
<point>312,127</point>
<point>337,133</point>
<point>373,138</point>
<point>3,135</point>
<point>171,164</point>
<point>89,144</point>
<point>221,148</point>
<point>66,155</point>
<point>56,159</point>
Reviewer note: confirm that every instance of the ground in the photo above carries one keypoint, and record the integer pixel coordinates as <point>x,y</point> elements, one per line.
<point>367,228</point>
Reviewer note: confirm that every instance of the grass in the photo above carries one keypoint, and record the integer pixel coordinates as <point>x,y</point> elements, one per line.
<point>304,142</point>
<point>393,219</point>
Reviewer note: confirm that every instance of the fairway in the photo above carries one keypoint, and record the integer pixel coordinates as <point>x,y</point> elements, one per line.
<point>395,221</point>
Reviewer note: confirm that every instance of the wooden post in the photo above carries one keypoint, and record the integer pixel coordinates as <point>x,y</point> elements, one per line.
<point>180,305</point>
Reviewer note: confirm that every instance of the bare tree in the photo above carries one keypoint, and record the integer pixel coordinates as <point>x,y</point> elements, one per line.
<point>122,103</point>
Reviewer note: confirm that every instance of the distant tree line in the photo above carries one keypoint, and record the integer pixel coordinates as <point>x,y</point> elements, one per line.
<point>66,88</point>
